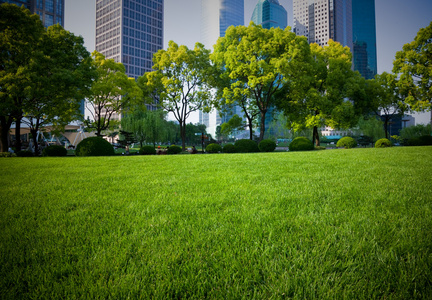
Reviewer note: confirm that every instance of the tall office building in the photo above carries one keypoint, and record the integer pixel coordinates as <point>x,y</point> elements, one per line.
<point>50,11</point>
<point>216,17</point>
<point>269,13</point>
<point>364,37</point>
<point>321,20</point>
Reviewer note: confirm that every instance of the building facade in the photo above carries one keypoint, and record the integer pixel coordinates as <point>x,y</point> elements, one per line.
<point>216,17</point>
<point>270,14</point>
<point>364,38</point>
<point>50,11</point>
<point>321,20</point>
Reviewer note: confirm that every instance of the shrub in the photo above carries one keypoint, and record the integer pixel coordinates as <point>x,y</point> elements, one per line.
<point>54,150</point>
<point>246,146</point>
<point>94,146</point>
<point>424,140</point>
<point>229,148</point>
<point>347,142</point>
<point>24,153</point>
<point>173,149</point>
<point>7,154</point>
<point>267,145</point>
<point>213,148</point>
<point>383,143</point>
<point>301,144</point>
<point>147,150</point>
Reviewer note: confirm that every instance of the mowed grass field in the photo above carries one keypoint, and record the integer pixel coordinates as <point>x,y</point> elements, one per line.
<point>333,224</point>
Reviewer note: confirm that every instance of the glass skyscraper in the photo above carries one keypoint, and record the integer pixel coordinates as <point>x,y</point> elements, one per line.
<point>269,13</point>
<point>216,17</point>
<point>364,37</point>
<point>50,11</point>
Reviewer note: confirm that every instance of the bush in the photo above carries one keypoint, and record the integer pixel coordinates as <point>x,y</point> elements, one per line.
<point>7,154</point>
<point>424,140</point>
<point>173,149</point>
<point>25,153</point>
<point>301,144</point>
<point>383,143</point>
<point>229,148</point>
<point>267,146</point>
<point>213,148</point>
<point>147,150</point>
<point>54,150</point>
<point>94,146</point>
<point>347,142</point>
<point>246,146</point>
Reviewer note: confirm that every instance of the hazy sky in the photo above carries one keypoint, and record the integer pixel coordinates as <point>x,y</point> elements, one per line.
<point>397,23</point>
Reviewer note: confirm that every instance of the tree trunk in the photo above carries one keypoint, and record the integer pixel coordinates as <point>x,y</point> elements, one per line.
<point>5,124</point>
<point>183,135</point>
<point>315,136</point>
<point>35,142</point>
<point>262,126</point>
<point>18,134</point>
<point>386,121</point>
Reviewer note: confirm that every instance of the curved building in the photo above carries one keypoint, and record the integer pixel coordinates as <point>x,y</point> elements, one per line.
<point>269,13</point>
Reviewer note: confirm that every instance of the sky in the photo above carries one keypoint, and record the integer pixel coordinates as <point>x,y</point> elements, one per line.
<point>397,23</point>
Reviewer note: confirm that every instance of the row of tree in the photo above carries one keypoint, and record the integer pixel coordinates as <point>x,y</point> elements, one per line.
<point>45,73</point>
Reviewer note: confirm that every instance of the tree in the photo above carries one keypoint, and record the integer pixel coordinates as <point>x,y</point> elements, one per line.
<point>60,76</point>
<point>258,63</point>
<point>414,65</point>
<point>20,35</point>
<point>387,99</point>
<point>111,93</point>
<point>233,124</point>
<point>44,73</point>
<point>180,79</point>
<point>322,97</point>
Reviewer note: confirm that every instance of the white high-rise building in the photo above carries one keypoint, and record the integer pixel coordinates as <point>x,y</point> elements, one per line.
<point>321,20</point>
<point>216,17</point>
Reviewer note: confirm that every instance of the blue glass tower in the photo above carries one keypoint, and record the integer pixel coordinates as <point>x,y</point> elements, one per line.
<point>364,37</point>
<point>50,11</point>
<point>269,13</point>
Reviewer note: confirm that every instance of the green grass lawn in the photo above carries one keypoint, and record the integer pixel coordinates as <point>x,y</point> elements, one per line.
<point>333,224</point>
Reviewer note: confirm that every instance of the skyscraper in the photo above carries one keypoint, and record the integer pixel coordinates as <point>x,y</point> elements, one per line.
<point>216,17</point>
<point>321,20</point>
<point>130,32</point>
<point>269,13</point>
<point>50,11</point>
<point>364,37</point>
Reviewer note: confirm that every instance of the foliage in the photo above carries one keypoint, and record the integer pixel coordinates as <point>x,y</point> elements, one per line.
<point>301,144</point>
<point>218,226</point>
<point>415,131</point>
<point>44,73</point>
<point>126,138</point>
<point>7,154</point>
<point>414,66</point>
<point>232,126</point>
<point>246,146</point>
<point>213,148</point>
<point>24,153</point>
<point>229,148</point>
<point>370,126</point>
<point>267,145</point>
<point>147,150</point>
<point>424,140</point>
<point>54,150</point>
<point>346,142</point>
<point>94,146</point>
<point>173,149</point>
<point>255,64</point>
<point>383,143</point>
<point>194,133</point>
<point>180,79</point>
<point>111,93</point>
<point>321,99</point>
